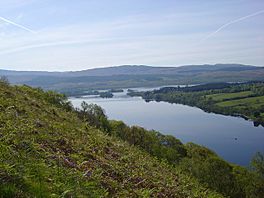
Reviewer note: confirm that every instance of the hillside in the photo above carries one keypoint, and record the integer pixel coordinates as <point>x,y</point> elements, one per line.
<point>50,149</point>
<point>47,151</point>
<point>135,70</point>
<point>134,76</point>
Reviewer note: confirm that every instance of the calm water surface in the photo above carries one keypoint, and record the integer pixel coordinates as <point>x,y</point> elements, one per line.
<point>234,139</point>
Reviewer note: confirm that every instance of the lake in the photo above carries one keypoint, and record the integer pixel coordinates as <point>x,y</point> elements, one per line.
<point>234,139</point>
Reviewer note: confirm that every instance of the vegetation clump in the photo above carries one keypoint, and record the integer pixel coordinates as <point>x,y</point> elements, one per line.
<point>106,94</point>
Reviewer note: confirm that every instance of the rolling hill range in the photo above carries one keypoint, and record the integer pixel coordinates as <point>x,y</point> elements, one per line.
<point>134,76</point>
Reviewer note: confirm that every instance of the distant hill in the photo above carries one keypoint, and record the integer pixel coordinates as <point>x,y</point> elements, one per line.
<point>135,70</point>
<point>135,76</point>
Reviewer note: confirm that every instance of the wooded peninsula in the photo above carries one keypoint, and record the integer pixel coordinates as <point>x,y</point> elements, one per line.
<point>236,99</point>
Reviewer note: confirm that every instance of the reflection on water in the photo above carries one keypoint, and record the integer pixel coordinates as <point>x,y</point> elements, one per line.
<point>235,139</point>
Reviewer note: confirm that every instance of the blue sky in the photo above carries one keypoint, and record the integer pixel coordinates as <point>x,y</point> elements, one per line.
<point>75,35</point>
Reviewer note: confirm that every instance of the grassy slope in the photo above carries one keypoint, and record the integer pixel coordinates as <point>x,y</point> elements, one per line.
<point>239,102</point>
<point>253,101</point>
<point>46,151</point>
<point>228,96</point>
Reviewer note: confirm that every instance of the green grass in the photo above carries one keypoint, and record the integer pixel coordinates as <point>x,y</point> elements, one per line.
<point>47,151</point>
<point>229,96</point>
<point>252,102</point>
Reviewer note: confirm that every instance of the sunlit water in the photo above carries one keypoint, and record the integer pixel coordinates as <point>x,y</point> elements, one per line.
<point>234,139</point>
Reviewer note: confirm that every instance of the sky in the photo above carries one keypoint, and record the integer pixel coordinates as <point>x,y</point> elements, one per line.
<point>67,35</point>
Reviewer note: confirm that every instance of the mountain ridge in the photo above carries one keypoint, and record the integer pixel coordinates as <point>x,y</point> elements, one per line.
<point>128,76</point>
<point>133,67</point>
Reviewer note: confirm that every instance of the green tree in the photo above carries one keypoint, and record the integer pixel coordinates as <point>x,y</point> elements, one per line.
<point>4,80</point>
<point>94,115</point>
<point>257,164</point>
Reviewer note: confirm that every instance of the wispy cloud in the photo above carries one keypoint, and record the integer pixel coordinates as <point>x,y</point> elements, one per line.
<point>17,25</point>
<point>230,23</point>
<point>50,44</point>
<point>130,33</point>
<point>81,34</point>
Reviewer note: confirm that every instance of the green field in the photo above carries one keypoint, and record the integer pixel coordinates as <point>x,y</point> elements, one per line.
<point>252,102</point>
<point>240,102</point>
<point>229,96</point>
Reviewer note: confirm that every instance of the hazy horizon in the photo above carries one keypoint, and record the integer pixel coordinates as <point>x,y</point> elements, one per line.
<point>111,66</point>
<point>72,36</point>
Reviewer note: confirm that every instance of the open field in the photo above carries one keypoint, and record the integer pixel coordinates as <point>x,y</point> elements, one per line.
<point>229,96</point>
<point>252,102</point>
